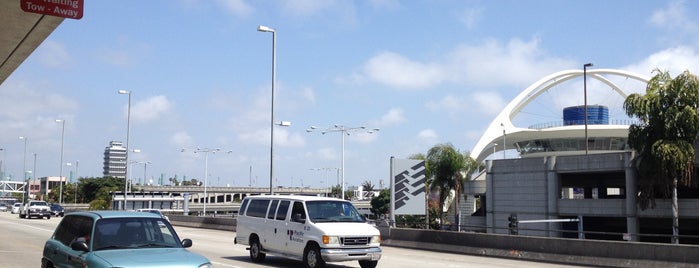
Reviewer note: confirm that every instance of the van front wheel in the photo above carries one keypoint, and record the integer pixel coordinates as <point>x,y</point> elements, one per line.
<point>256,251</point>
<point>368,264</point>
<point>312,258</point>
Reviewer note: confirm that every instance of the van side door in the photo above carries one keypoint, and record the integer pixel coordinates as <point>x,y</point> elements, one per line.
<point>280,223</point>
<point>296,229</point>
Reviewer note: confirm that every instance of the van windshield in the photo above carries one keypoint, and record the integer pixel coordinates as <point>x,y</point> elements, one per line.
<point>333,211</point>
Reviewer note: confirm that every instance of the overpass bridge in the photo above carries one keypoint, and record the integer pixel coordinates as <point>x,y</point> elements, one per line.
<point>196,199</point>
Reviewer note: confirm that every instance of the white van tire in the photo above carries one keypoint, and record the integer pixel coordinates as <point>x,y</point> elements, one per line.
<point>256,250</point>
<point>312,258</point>
<point>368,264</point>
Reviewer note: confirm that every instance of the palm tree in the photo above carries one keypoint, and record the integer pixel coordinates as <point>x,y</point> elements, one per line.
<point>445,166</point>
<point>664,138</point>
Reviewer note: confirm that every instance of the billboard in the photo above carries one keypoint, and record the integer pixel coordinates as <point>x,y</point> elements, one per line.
<point>408,186</point>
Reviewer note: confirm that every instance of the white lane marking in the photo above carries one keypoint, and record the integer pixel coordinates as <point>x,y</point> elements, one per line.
<point>225,264</point>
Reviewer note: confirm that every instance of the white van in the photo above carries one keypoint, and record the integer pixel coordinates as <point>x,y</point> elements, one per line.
<point>314,230</point>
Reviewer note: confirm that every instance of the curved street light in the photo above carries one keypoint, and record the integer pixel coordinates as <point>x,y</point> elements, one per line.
<point>128,134</point>
<point>344,131</point>
<point>266,29</point>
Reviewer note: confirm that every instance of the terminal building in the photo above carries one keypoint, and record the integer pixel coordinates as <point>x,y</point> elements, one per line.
<point>568,179</point>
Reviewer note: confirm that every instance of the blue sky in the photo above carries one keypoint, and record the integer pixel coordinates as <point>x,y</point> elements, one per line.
<point>424,72</point>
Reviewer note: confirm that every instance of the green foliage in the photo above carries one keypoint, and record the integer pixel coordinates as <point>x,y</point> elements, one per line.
<point>665,137</point>
<point>368,186</point>
<point>448,170</point>
<point>380,205</point>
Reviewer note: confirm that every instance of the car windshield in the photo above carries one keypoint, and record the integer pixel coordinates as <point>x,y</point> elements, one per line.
<point>38,203</point>
<point>333,211</point>
<point>119,233</point>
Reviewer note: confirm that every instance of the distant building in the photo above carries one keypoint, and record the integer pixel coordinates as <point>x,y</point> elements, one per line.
<point>115,160</point>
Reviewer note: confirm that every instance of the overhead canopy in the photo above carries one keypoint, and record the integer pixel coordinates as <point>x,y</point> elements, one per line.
<point>21,32</point>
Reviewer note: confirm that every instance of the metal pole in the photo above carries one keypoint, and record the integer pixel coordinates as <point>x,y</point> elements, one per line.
<point>60,173</point>
<point>206,178</point>
<point>342,133</point>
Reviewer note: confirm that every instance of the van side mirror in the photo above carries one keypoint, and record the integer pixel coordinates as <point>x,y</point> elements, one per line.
<point>298,217</point>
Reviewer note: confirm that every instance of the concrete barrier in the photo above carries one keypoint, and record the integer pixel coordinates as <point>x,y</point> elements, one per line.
<point>217,223</point>
<point>583,252</point>
<point>545,249</point>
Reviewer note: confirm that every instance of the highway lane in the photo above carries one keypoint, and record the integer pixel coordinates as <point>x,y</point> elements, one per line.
<point>22,241</point>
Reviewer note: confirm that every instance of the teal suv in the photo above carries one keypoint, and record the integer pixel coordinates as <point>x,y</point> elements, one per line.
<point>118,239</point>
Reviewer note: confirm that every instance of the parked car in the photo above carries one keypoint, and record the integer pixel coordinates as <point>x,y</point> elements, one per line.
<point>3,207</point>
<point>56,210</point>
<point>16,207</point>
<point>154,211</point>
<point>118,239</point>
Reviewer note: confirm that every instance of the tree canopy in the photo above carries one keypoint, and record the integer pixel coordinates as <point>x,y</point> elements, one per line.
<point>665,135</point>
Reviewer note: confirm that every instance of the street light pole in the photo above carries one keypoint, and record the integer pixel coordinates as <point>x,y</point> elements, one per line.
<point>128,134</point>
<point>271,126</point>
<point>206,152</point>
<point>24,167</point>
<point>343,131</point>
<point>587,144</point>
<point>60,173</point>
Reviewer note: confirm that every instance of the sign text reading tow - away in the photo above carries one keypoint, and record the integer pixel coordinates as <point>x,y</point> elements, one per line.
<point>72,9</point>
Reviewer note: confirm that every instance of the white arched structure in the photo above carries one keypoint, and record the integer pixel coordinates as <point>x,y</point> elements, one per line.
<point>502,127</point>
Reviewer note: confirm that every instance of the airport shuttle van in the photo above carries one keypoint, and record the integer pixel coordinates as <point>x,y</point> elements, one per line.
<point>311,229</point>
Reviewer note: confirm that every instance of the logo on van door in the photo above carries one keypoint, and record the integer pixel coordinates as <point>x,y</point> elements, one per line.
<point>296,236</point>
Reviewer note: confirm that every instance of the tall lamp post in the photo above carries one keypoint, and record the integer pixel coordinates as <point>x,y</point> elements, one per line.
<point>344,131</point>
<point>60,173</point>
<point>587,144</point>
<point>128,134</point>
<point>271,126</point>
<point>206,152</point>
<point>24,166</point>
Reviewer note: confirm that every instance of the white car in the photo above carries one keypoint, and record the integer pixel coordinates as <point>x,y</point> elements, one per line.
<point>3,207</point>
<point>16,207</point>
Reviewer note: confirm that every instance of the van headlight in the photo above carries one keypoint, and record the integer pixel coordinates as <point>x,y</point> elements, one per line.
<point>375,239</point>
<point>327,239</point>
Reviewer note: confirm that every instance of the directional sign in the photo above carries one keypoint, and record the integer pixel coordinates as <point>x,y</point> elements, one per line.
<point>72,9</point>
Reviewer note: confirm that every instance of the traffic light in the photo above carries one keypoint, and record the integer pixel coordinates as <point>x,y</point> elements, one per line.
<point>513,223</point>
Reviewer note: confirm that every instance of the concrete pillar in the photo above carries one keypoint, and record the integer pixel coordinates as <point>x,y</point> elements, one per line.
<point>632,226</point>
<point>553,191</point>
<point>489,200</point>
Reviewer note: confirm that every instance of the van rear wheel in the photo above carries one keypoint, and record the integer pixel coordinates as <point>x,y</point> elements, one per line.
<point>312,258</point>
<point>368,264</point>
<point>256,250</point>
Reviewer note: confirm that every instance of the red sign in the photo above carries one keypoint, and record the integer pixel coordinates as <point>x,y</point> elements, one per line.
<point>72,9</point>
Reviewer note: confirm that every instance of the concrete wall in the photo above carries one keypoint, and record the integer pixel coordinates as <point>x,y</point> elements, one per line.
<point>583,252</point>
<point>572,251</point>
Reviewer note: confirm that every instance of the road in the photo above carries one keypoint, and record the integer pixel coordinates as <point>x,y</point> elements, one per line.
<point>23,241</point>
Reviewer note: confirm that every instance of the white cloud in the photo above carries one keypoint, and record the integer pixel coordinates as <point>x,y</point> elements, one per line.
<point>675,60</point>
<point>449,103</point>
<point>181,139</point>
<point>490,64</point>
<point>471,16</point>
<point>53,54</point>
<point>488,103</point>
<point>150,109</point>
<point>393,117</point>
<point>308,94</point>
<point>398,71</point>
<point>239,8</point>
<point>283,137</point>
<point>428,136</point>
<point>674,17</point>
